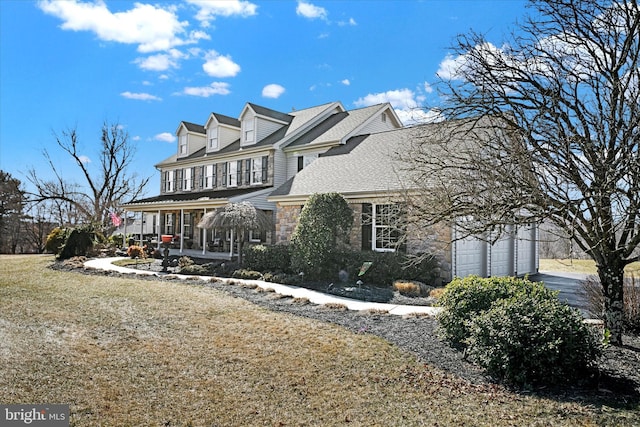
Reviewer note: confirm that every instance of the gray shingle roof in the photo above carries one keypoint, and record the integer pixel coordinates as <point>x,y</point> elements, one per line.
<point>263,111</point>
<point>364,164</point>
<point>192,127</point>
<point>226,120</point>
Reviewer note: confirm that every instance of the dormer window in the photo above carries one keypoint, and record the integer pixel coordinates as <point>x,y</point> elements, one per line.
<point>248,131</point>
<point>384,118</point>
<point>182,149</point>
<point>213,139</point>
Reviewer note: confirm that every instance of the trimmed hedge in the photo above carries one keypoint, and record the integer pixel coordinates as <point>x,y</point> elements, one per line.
<point>274,258</point>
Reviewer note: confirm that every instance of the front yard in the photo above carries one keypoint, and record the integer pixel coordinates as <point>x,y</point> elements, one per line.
<point>124,351</point>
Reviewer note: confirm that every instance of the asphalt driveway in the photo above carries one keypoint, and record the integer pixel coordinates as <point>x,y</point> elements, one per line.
<point>567,283</point>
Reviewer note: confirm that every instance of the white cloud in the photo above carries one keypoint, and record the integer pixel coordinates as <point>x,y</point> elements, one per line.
<point>427,88</point>
<point>161,61</point>
<point>345,82</point>
<point>215,88</point>
<point>352,22</point>
<point>153,28</point>
<point>219,66</point>
<point>165,137</point>
<point>209,9</point>
<point>404,102</point>
<point>136,138</point>
<point>84,159</point>
<point>311,11</point>
<point>272,91</point>
<point>140,96</point>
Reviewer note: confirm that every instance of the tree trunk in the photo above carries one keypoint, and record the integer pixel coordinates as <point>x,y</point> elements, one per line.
<point>612,281</point>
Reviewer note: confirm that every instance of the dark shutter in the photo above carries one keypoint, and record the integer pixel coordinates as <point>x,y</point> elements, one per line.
<point>179,178</point>
<point>164,181</point>
<point>214,176</point>
<point>367,226</point>
<point>247,171</point>
<point>239,174</point>
<point>224,174</point>
<point>203,171</point>
<point>265,168</point>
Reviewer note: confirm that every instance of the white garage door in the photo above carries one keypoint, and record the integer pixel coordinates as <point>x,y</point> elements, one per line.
<point>470,257</point>
<point>501,255</point>
<point>526,250</point>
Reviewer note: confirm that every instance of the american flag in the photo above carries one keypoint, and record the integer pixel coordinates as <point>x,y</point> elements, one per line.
<point>115,219</point>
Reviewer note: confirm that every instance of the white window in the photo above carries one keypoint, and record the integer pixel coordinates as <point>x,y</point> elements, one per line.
<point>248,130</point>
<point>169,183</point>
<point>182,150</point>
<point>387,227</point>
<point>213,138</point>
<point>256,170</point>
<point>187,179</point>
<point>232,174</point>
<point>210,176</point>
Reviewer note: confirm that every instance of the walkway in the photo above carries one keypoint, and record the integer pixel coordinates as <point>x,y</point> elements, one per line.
<point>292,291</point>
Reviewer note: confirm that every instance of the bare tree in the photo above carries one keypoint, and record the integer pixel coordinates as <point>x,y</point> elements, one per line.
<point>12,199</point>
<point>552,123</point>
<point>103,190</point>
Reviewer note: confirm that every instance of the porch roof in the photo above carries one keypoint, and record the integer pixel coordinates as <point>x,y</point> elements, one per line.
<point>196,199</point>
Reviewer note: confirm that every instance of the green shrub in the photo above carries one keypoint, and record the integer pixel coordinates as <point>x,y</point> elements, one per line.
<point>267,258</point>
<point>55,240</point>
<point>195,269</point>
<point>532,338</point>
<point>78,242</point>
<point>464,299</point>
<point>247,274</point>
<point>323,228</point>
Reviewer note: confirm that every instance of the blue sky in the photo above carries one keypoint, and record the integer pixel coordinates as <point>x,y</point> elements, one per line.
<point>150,65</point>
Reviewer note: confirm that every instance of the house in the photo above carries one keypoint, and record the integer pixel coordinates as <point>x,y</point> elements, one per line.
<point>369,174</point>
<point>276,160</point>
<point>244,159</point>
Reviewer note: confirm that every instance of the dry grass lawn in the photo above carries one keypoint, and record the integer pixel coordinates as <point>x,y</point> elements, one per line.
<point>584,266</point>
<point>127,352</point>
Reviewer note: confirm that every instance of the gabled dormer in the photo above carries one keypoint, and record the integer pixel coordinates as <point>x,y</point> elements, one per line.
<point>221,131</point>
<point>256,123</point>
<point>191,138</point>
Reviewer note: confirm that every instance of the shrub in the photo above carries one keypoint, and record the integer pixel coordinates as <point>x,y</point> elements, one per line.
<point>267,258</point>
<point>592,290</point>
<point>247,274</point>
<point>411,288</point>
<point>532,338</point>
<point>464,299</point>
<point>78,241</point>
<point>135,251</point>
<point>184,261</point>
<point>323,228</point>
<point>195,269</point>
<point>55,240</point>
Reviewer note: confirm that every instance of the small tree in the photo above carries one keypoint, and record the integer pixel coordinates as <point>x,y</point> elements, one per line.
<point>238,217</point>
<point>11,206</point>
<point>323,228</point>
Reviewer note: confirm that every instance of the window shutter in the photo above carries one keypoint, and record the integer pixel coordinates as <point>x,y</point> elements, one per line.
<point>164,181</point>
<point>367,226</point>
<point>179,178</point>
<point>203,170</point>
<point>224,174</point>
<point>239,173</point>
<point>247,171</point>
<point>265,166</point>
<point>214,175</point>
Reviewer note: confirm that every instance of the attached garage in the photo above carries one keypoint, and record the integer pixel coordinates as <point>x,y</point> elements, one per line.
<point>514,254</point>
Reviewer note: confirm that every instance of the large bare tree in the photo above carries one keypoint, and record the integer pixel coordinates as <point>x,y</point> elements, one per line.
<point>103,188</point>
<point>551,124</point>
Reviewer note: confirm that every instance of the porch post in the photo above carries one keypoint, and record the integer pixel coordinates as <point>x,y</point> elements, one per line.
<point>124,237</point>
<point>181,230</point>
<point>231,244</point>
<point>141,227</point>
<point>159,238</point>
<point>204,236</point>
